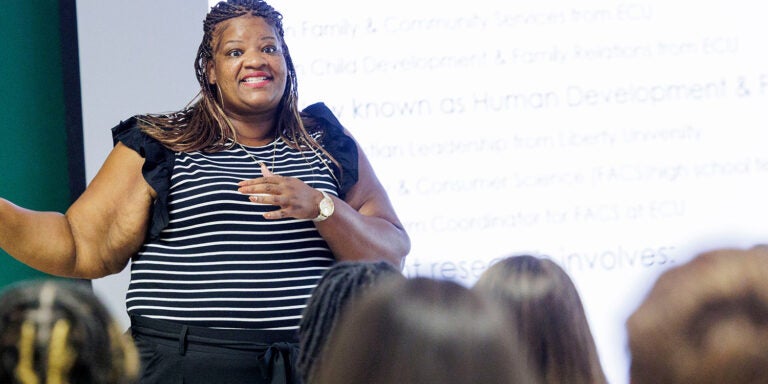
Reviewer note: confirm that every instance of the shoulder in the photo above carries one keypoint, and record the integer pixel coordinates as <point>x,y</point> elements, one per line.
<point>157,168</point>
<point>125,129</point>
<point>319,116</point>
<point>321,123</point>
<point>132,134</point>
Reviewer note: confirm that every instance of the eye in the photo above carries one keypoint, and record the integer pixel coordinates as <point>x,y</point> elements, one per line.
<point>234,53</point>
<point>271,49</point>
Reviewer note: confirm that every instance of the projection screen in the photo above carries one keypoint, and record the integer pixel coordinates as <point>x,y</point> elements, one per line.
<point>618,138</point>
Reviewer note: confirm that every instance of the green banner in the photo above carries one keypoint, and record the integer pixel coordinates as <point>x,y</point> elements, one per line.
<point>33,149</point>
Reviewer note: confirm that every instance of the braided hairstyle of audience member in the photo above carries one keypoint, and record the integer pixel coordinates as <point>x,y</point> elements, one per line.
<point>203,125</point>
<point>58,332</point>
<point>338,286</point>
<point>550,317</point>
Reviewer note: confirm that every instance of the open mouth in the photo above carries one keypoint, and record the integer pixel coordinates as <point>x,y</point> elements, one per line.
<point>255,80</point>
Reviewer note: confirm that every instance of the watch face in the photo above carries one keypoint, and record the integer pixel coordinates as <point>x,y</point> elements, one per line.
<point>326,206</point>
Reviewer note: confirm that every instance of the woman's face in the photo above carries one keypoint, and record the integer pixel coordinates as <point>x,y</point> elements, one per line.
<point>248,65</point>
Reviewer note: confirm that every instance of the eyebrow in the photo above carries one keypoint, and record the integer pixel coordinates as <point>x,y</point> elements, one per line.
<point>267,38</point>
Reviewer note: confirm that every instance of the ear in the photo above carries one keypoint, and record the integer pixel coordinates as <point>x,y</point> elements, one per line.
<point>210,72</point>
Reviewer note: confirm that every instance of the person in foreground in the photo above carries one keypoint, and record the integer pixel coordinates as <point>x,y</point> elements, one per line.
<point>704,322</point>
<point>418,331</point>
<point>550,318</point>
<point>342,283</point>
<point>55,331</point>
<point>229,209</point>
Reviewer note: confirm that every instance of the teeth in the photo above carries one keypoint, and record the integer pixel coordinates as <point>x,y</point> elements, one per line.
<point>254,79</point>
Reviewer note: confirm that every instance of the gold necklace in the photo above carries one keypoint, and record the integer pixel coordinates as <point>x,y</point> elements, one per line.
<point>258,162</point>
<point>274,154</point>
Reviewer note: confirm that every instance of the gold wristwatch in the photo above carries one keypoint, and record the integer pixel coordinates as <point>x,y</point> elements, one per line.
<point>326,208</point>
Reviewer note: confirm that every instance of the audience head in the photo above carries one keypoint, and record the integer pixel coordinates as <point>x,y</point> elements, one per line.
<point>421,330</point>
<point>55,331</point>
<point>546,307</point>
<point>705,321</point>
<point>338,285</point>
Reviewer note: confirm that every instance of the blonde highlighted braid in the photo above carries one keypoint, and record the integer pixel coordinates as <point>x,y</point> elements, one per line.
<point>25,369</point>
<point>58,332</point>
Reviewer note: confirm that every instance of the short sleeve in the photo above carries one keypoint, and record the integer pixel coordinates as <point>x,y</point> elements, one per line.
<point>342,147</point>
<point>157,168</point>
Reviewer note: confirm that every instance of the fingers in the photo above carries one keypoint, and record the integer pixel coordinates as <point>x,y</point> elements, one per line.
<point>293,197</point>
<point>266,177</point>
<point>265,171</point>
<point>268,190</point>
<point>266,184</point>
<point>261,189</point>
<point>285,210</point>
<point>266,199</point>
<point>273,215</point>
<point>269,200</point>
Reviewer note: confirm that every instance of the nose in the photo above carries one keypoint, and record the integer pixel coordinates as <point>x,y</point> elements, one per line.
<point>255,59</point>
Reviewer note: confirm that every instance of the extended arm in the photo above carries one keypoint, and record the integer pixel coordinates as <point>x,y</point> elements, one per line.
<point>97,235</point>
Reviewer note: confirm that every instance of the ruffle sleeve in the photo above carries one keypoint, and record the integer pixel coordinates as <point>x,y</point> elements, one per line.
<point>157,168</point>
<point>342,147</point>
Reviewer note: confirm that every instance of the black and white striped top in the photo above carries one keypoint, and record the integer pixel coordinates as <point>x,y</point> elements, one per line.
<point>218,263</point>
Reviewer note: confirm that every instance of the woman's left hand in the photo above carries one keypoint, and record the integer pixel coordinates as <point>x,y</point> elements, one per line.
<point>295,198</point>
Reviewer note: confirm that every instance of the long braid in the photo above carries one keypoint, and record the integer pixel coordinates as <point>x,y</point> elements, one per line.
<point>25,369</point>
<point>338,286</point>
<point>61,355</point>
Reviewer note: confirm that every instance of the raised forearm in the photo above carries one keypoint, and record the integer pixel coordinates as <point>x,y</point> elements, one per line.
<point>352,235</point>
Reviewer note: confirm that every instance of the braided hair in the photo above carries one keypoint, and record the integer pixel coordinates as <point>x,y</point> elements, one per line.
<point>56,332</point>
<point>338,285</point>
<point>203,125</point>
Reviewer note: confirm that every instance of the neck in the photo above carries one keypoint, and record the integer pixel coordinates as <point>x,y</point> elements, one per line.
<point>254,131</point>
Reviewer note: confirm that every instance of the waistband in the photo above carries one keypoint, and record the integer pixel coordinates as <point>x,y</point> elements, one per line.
<point>171,330</point>
<point>276,349</point>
